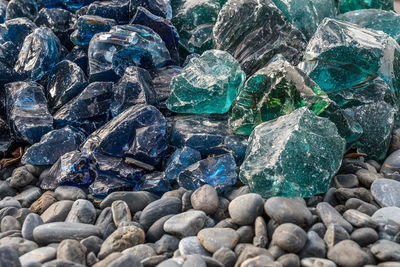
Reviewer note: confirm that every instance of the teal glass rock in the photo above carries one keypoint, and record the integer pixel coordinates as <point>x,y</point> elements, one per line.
<point>194,20</point>
<point>295,155</point>
<point>273,91</point>
<point>254,31</point>
<point>375,19</point>
<point>208,84</point>
<point>350,5</point>
<point>306,15</point>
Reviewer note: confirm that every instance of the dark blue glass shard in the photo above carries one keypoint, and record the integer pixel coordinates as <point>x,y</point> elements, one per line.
<point>74,5</point>
<point>117,10</point>
<point>155,183</point>
<point>73,168</point>
<point>5,138</point>
<point>40,52</point>
<point>104,185</point>
<point>89,110</point>
<point>2,102</point>
<point>65,82</point>
<point>50,4</point>
<point>160,8</point>
<point>3,8</point>
<point>134,88</point>
<point>162,78</point>
<point>27,112</point>
<point>21,8</point>
<point>163,27</point>
<point>43,153</point>
<point>79,56</point>
<point>8,57</point>
<point>88,26</point>
<point>219,172</point>
<point>18,29</point>
<point>237,145</point>
<point>179,160</point>
<point>138,133</point>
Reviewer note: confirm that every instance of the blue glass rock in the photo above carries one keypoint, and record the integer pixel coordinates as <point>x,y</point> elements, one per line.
<point>27,112</point>
<point>155,183</point>
<point>162,78</point>
<point>79,56</point>
<point>3,8</point>
<point>375,19</point>
<point>114,9</point>
<point>72,168</point>
<point>160,8</point>
<point>21,8</point>
<point>128,45</point>
<point>44,153</point>
<point>295,155</point>
<point>162,27</point>
<point>89,110</point>
<point>179,160</point>
<point>75,5</point>
<point>5,138</point>
<point>349,5</point>
<point>88,26</point>
<point>237,145</point>
<point>138,133</point>
<point>8,57</point>
<point>66,81</point>
<point>60,21</point>
<point>105,185</point>
<point>218,171</point>
<point>2,102</point>
<point>134,88</point>
<point>40,52</point>
<point>18,29</point>
<point>49,3</point>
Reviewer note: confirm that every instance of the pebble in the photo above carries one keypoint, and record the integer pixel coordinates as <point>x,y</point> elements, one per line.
<point>6,190</point>
<point>120,212</point>
<point>39,255</point>
<point>260,232</point>
<point>194,261</point>
<point>319,228</point>
<point>105,222</point>
<point>170,263</point>
<point>107,260</point>
<point>9,256</point>
<point>289,237</point>
<point>348,253</point>
<point>43,203</point>
<point>127,260</point>
<point>140,252</point>
<point>57,231</point>
<point>246,234</point>
<point>92,244</point>
<point>156,231</point>
<point>82,211</point>
<point>386,192</point>
<point>72,250</point>
<point>260,260</point>
<point>21,177</point>
<point>57,212</point>
<point>167,243</point>
<point>185,224</point>
<point>214,238</point>
<point>386,250</point>
<point>9,202</point>
<point>28,196</point>
<point>314,247</point>
<point>288,210</point>
<point>316,262</point>
<point>359,219</point>
<point>362,206</point>
<point>158,209</point>
<point>345,180</point>
<point>191,245</point>
<point>225,256</point>
<point>9,223</point>
<point>364,236</point>
<point>329,215</point>
<point>246,208</point>
<point>155,260</point>
<point>66,192</point>
<point>335,234</point>
<point>366,177</point>
<point>205,199</point>
<point>20,244</point>
<point>186,202</point>
<point>276,251</point>
<point>136,201</point>
<point>388,213</point>
<point>31,222</point>
<point>122,238</point>
<point>289,260</point>
<point>390,167</point>
<point>343,194</point>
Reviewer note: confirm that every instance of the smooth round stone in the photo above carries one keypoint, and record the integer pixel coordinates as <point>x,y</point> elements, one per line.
<point>225,256</point>
<point>38,255</point>
<point>289,260</point>
<point>9,256</point>
<point>366,177</point>
<point>92,244</point>
<point>335,234</point>
<point>107,260</point>
<point>276,251</point>
<point>58,231</point>
<point>317,262</point>
<point>329,215</point>
<point>388,213</point>
<point>226,223</point>
<point>6,190</point>
<point>319,228</point>
<point>43,203</point>
<point>127,260</point>
<point>21,177</point>
<point>13,233</point>
<point>343,194</point>
<point>385,250</point>
<point>194,260</point>
<point>28,196</point>
<point>71,250</point>
<point>247,251</point>
<point>122,238</point>
<point>246,208</point>
<point>288,210</point>
<point>62,263</point>
<point>153,261</point>
<point>362,206</point>
<point>136,201</point>
<point>167,243</point>
<point>391,165</point>
<point>156,231</point>
<point>9,202</point>
<point>66,192</point>
<point>9,223</point>
<point>140,252</point>
<point>91,259</point>
<point>246,234</point>
<point>206,199</point>
<point>185,224</point>
<point>82,211</point>
<point>170,263</point>
<point>386,192</point>
<point>186,202</point>
<point>261,232</point>
<point>120,212</point>
<point>364,236</point>
<point>191,245</point>
<point>359,219</point>
<point>160,208</point>
<point>345,180</point>
<point>20,244</point>
<point>260,260</point>
<point>31,222</point>
<point>348,253</point>
<point>387,264</point>
<point>214,238</point>
<point>57,212</point>
<point>314,247</point>
<point>289,237</point>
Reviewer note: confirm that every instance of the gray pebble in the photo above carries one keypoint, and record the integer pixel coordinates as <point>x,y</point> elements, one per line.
<point>289,237</point>
<point>231,195</point>
<point>250,251</point>
<point>194,261</point>
<point>205,199</point>
<point>246,208</point>
<point>334,234</point>
<point>214,238</point>
<point>31,222</point>
<point>261,233</point>
<point>314,247</point>
<point>92,244</point>
<point>18,243</point>
<point>260,260</point>
<point>66,192</point>
<point>225,256</point>
<point>276,251</point>
<point>345,180</point>
<point>120,212</point>
<point>319,228</point>
<point>289,260</point>
<point>343,194</point>
<point>169,263</point>
<point>362,206</point>
<point>107,260</point>
<point>28,196</point>
<point>222,211</point>
<point>136,200</point>
<point>82,211</point>
<point>167,243</point>
<point>105,222</point>
<point>317,262</point>
<point>185,224</point>
<point>43,203</point>
<point>9,256</point>
<point>330,197</point>
<point>39,255</point>
<point>6,190</point>
<point>127,260</point>
<point>227,223</point>
<point>386,250</point>
<point>246,234</point>
<point>140,252</point>
<point>329,215</point>
<point>156,231</point>
<point>12,233</point>
<point>359,219</point>
<point>57,212</point>
<point>9,223</point>
<point>348,253</point>
<point>21,177</point>
<point>186,203</point>
<point>386,192</point>
<point>364,236</point>
<point>158,209</point>
<point>366,177</point>
<point>153,261</point>
<point>91,259</point>
<point>388,213</point>
<point>191,245</point>
<point>10,202</point>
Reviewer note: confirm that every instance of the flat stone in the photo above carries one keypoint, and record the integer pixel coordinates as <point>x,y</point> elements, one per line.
<point>120,212</point>
<point>364,236</point>
<point>388,213</point>
<point>160,208</point>
<point>135,200</point>
<point>21,177</point>
<point>9,223</point>
<point>366,177</point>
<point>245,208</point>
<point>317,262</point>
<point>21,245</point>
<point>185,224</point>
<point>359,219</point>
<point>289,237</point>
<point>335,234</point>
<point>348,253</point>
<point>345,180</point>
<point>28,196</point>
<point>82,211</point>
<point>9,256</point>
<point>126,261</point>
<point>385,192</point>
<point>43,203</point>
<point>65,192</point>
<point>214,238</point>
<point>362,206</point>
<point>57,212</point>
<point>191,245</point>
<point>225,256</point>
<point>39,255</point>
<point>329,215</point>
<point>31,222</point>
<point>156,230</point>
<point>167,243</point>
<point>314,247</point>
<point>71,250</point>
<point>385,250</point>
<point>92,244</point>
<point>343,194</point>
<point>140,252</point>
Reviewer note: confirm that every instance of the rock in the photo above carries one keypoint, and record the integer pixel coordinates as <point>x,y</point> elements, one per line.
<point>7,202</point>
<point>21,245</point>
<point>388,213</point>
<point>43,203</point>
<point>194,260</point>
<point>362,206</point>
<point>359,219</point>
<point>57,231</point>
<point>314,262</point>
<point>225,256</point>
<point>21,8</point>
<point>185,224</point>
<point>314,247</point>
<point>384,192</point>
<point>343,194</point>
<point>345,180</point>
<point>245,208</point>
<point>161,80</point>
<point>136,200</point>
<point>119,11</point>
<point>92,244</point>
<point>126,261</point>
<point>390,167</point>
<point>261,232</point>
<point>66,192</point>
<point>82,211</point>
<point>367,177</point>
<point>348,253</point>
<point>166,243</point>
<point>335,234</point>
<point>385,250</point>
<point>364,236</point>
<point>246,234</point>
<point>205,199</point>
<point>347,5</point>
<point>29,195</point>
<point>250,251</point>
<point>31,222</point>
<point>180,160</point>
<point>62,263</point>
<point>108,259</point>
<point>214,238</point>
<point>329,215</point>
<point>191,245</point>
<point>71,250</point>
<point>319,228</point>
<point>289,259</point>
<point>21,177</point>
<point>160,208</point>
<point>140,252</point>
<point>88,26</point>
<point>122,238</point>
<point>39,255</point>
<point>57,212</point>
<point>289,237</point>
<point>9,256</point>
<point>9,223</point>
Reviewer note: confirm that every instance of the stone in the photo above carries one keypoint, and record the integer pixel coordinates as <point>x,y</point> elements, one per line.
<point>9,256</point>
<point>289,237</point>
<point>79,56</point>
<point>347,5</point>
<point>5,135</point>
<point>92,244</point>
<point>30,223</point>
<point>120,212</point>
<point>314,262</point>
<point>180,160</point>
<point>65,192</point>
<point>384,192</point>
<point>194,260</point>
<point>155,183</point>
<point>136,200</point>
<point>167,243</point>
<point>185,224</point>
<point>39,255</point>
<point>27,111</point>
<point>119,11</point>
<point>9,223</point>
<point>142,137</point>
<point>329,215</point>
<point>359,219</point>
<point>390,167</point>
<point>20,244</point>
<point>207,84</point>
<point>345,180</point>
<point>364,236</point>
<point>29,195</point>
<point>252,52</point>
<point>71,250</point>
<point>62,263</point>
<point>135,45</point>
<point>366,178</point>
<point>88,26</point>
<point>225,256</point>
<point>105,222</point>
<point>156,230</point>
<point>140,252</point>
<point>126,261</point>
<point>82,211</point>
<point>21,8</point>
<point>335,234</point>
<point>158,8</point>
<point>289,259</point>
<point>43,203</point>
<point>21,177</point>
<point>314,247</point>
<point>17,30</point>
<point>258,260</point>
<point>362,206</point>
<point>191,245</point>
<point>214,238</point>
<point>385,250</point>
<point>39,54</point>
<point>42,153</point>
<point>282,177</point>
<point>205,199</point>
<point>387,213</point>
<point>57,231</point>
<point>162,78</point>
<point>244,209</point>
<point>348,253</point>
<point>158,209</point>
<point>273,91</point>
<point>261,233</point>
<point>250,251</point>
<point>343,194</point>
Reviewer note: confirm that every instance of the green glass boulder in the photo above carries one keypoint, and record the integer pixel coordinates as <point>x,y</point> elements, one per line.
<point>207,84</point>
<point>273,91</point>
<point>375,19</point>
<point>350,5</point>
<point>295,155</point>
<point>306,15</point>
